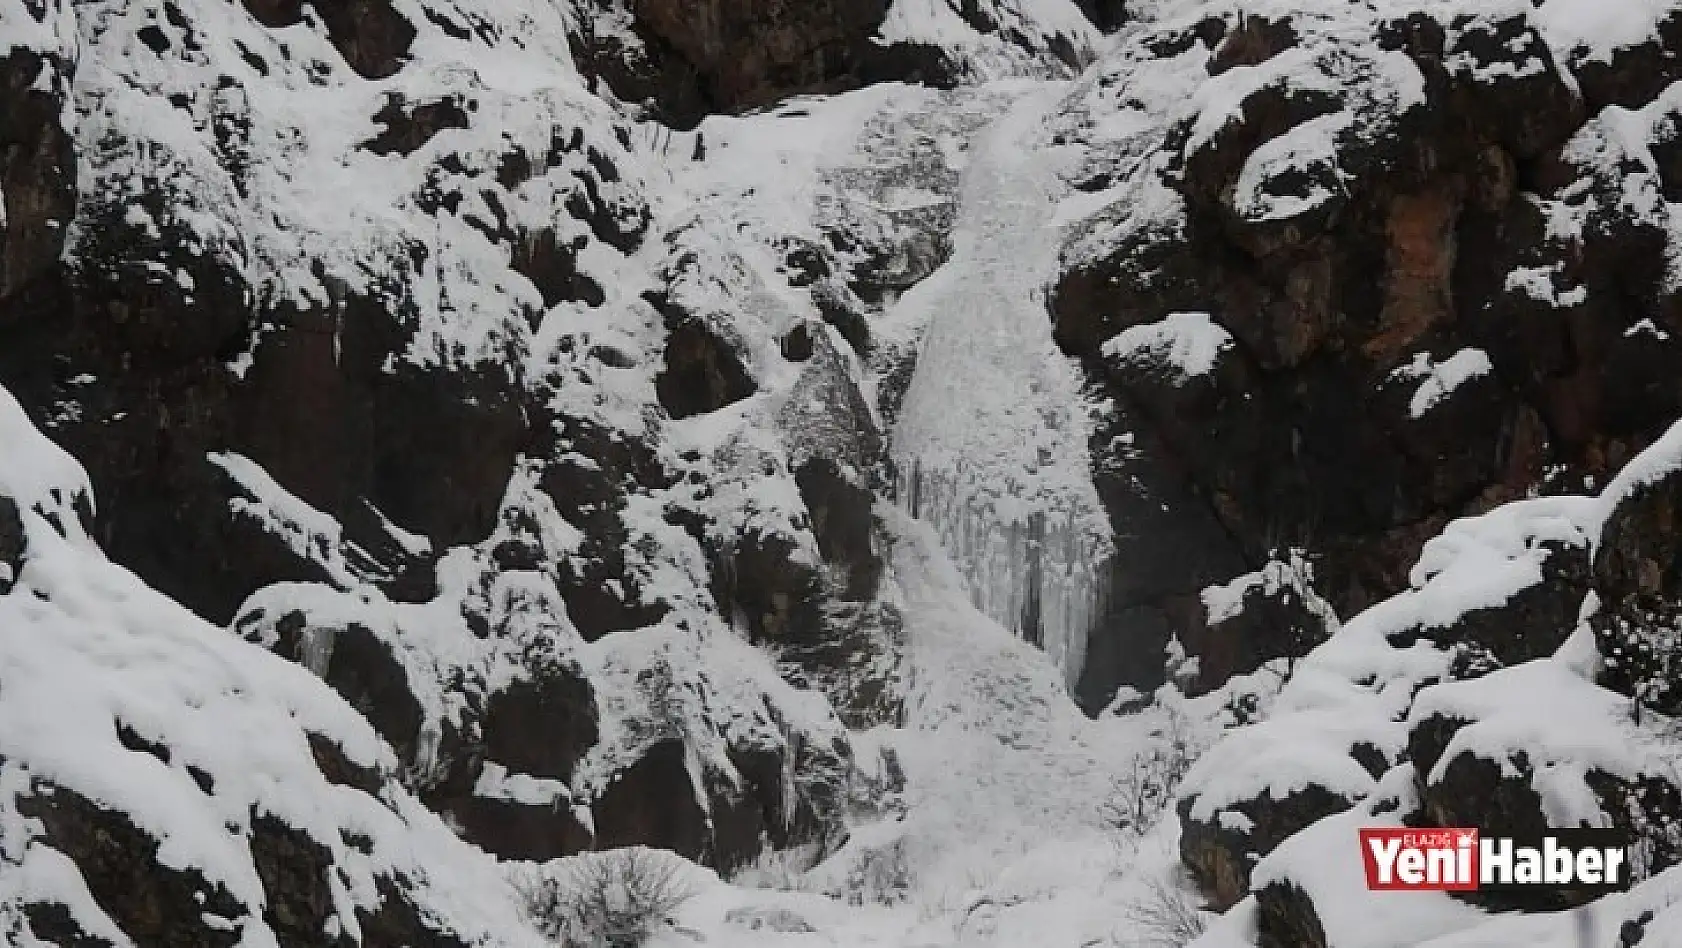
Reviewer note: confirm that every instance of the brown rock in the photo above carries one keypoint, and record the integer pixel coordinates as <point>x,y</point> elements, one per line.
<point>1420,254</point>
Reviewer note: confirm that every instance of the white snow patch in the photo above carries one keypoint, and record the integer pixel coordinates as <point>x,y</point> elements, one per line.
<point>1596,29</point>
<point>36,473</point>
<point>1438,380</point>
<point>1188,343</point>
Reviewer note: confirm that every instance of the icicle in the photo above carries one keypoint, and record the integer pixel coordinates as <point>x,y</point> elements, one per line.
<point>1042,576</point>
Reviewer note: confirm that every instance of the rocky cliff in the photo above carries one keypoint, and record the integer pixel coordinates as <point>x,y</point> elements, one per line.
<point>529,428</point>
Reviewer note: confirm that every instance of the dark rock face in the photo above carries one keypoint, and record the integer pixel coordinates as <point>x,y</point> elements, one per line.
<point>154,904</point>
<point>646,804</point>
<point>363,670</point>
<point>11,543</point>
<point>528,730</point>
<point>295,867</point>
<point>119,862</point>
<point>1285,918</point>
<point>722,57</point>
<point>748,55</point>
<point>542,726</point>
<point>776,589</point>
<point>1532,624</point>
<point>373,37</point>
<point>1638,554</point>
<point>685,61</point>
<point>1639,625</point>
<point>703,371</point>
<point>38,170</point>
<point>1641,641</point>
<point>1275,614</point>
<point>1107,15</point>
<point>1220,858</point>
<point>514,829</point>
<point>843,522</point>
<point>594,471</point>
<point>1344,287</point>
<point>653,802</point>
<point>1476,791</point>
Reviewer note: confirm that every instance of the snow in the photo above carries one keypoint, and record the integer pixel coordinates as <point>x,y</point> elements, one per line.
<point>1540,284</point>
<point>497,783</point>
<point>990,445</point>
<point>1188,344</point>
<point>1360,686</point>
<point>1293,573</point>
<point>984,56</point>
<point>314,536</point>
<point>37,474</point>
<point>1647,327</point>
<point>1324,860</point>
<point>1439,380</point>
<point>1308,147</point>
<point>1595,30</point>
<point>86,649</point>
<point>997,830</point>
<point>1276,758</point>
<point>1661,460</point>
<point>1565,726</point>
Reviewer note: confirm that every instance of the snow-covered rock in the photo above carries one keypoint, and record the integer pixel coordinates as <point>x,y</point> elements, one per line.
<point>163,782</point>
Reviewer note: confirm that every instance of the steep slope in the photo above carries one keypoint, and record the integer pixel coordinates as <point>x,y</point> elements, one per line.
<point>522,423</point>
<point>1381,299</point>
<point>1426,710</point>
<point>163,783</point>
<point>551,427</point>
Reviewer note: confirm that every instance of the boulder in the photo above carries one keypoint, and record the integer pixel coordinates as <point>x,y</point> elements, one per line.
<point>1638,626</point>
<point>1255,618</point>
<point>1241,800</point>
<point>39,167</point>
<point>1506,753</point>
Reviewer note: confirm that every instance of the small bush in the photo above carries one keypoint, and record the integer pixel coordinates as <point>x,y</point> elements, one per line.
<point>881,876</point>
<point>783,870</point>
<point>615,899</point>
<point>1143,790</point>
<point>1165,916</point>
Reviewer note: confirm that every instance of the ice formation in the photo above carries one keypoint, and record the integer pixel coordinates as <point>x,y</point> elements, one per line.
<point>990,447</point>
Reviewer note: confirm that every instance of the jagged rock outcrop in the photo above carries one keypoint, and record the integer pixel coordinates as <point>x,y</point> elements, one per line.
<point>1474,770</point>
<point>167,783</point>
<point>686,60</point>
<point>1638,625</point>
<point>1493,693</point>
<point>1236,810</point>
<point>1310,189</point>
<point>379,384</point>
<point>395,337</point>
<point>1269,614</point>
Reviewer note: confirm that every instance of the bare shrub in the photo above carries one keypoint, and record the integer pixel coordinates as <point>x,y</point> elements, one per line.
<point>614,899</point>
<point>881,876</point>
<point>1165,916</point>
<point>783,870</point>
<point>1141,792</point>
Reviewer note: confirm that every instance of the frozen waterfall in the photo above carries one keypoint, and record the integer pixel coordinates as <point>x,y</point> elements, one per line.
<point>990,445</point>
